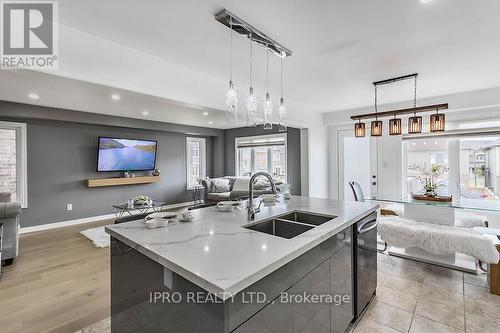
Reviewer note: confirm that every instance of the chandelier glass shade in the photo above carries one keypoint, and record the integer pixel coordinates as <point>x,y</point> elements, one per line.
<point>282,107</point>
<point>415,124</point>
<point>282,116</point>
<point>251,99</point>
<point>231,103</point>
<point>231,94</point>
<point>268,104</point>
<point>268,113</point>
<point>376,128</point>
<point>437,123</point>
<point>359,130</point>
<point>395,127</point>
<point>251,108</point>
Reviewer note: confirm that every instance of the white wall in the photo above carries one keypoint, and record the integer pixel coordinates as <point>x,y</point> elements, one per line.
<point>318,159</point>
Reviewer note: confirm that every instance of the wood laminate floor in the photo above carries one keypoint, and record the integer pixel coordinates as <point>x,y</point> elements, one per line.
<point>59,283</point>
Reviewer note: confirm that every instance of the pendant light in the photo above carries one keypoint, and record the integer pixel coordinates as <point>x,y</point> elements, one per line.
<point>282,107</point>
<point>359,129</point>
<point>395,127</point>
<point>415,122</point>
<point>437,122</point>
<point>231,94</point>
<point>376,125</point>
<point>251,99</point>
<point>268,104</point>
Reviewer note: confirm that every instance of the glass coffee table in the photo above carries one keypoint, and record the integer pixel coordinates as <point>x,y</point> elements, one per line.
<point>154,206</point>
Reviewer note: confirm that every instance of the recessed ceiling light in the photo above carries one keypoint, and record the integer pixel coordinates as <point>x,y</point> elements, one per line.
<point>115,97</point>
<point>33,96</point>
<point>210,122</point>
<point>413,143</point>
<point>205,113</point>
<point>425,1</point>
<point>145,113</point>
<point>425,143</point>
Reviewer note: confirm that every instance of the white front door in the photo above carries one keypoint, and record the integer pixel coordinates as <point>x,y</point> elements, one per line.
<point>357,162</point>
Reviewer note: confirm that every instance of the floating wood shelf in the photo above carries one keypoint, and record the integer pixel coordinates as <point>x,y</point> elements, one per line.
<point>122,181</point>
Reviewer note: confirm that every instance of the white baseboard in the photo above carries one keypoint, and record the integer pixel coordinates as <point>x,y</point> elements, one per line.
<point>91,219</point>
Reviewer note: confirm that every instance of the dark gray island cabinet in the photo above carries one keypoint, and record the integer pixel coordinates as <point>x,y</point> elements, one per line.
<point>316,291</point>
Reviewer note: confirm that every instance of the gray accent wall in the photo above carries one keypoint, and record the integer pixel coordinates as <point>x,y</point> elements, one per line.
<point>293,151</point>
<point>62,155</point>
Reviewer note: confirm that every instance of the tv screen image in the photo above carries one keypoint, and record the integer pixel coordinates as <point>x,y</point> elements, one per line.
<point>116,154</point>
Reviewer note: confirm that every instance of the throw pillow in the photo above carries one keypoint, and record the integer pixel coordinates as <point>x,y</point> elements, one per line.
<point>261,184</point>
<point>220,185</point>
<point>241,184</point>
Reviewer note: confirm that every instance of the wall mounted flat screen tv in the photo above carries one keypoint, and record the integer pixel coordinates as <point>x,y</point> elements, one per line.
<point>115,154</point>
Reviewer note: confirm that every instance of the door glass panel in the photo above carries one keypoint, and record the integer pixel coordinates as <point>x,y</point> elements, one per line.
<point>356,165</point>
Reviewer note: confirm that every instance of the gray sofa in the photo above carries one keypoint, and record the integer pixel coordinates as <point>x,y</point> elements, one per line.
<point>10,213</point>
<point>210,195</point>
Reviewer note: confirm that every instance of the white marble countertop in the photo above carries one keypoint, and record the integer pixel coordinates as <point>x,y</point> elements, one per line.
<point>215,252</point>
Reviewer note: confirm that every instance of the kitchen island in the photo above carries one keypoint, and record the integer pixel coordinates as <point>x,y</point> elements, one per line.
<point>293,269</point>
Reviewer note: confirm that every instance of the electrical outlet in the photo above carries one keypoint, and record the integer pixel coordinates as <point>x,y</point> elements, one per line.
<point>69,206</point>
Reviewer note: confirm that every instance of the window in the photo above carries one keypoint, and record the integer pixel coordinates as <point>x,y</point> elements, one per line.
<point>480,168</point>
<point>196,161</point>
<point>470,166</point>
<point>423,156</point>
<point>13,172</point>
<point>262,153</point>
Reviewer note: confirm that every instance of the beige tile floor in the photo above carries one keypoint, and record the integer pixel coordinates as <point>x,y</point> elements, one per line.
<point>420,298</point>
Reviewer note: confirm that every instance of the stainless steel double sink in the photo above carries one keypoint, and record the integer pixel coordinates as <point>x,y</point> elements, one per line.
<point>291,224</point>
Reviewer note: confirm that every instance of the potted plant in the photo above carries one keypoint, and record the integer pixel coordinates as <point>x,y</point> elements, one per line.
<point>428,177</point>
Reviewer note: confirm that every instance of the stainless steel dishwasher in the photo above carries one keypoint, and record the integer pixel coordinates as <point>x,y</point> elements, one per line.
<point>365,257</point>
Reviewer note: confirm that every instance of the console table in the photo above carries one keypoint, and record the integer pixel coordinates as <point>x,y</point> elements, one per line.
<point>155,206</point>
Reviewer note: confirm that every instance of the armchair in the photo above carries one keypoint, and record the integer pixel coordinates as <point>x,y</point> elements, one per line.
<point>10,213</point>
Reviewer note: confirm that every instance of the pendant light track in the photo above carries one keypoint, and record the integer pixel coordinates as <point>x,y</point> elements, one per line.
<point>240,26</point>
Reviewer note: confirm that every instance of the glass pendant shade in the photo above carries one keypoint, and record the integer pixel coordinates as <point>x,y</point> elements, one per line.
<point>231,103</point>
<point>282,116</point>
<point>415,125</point>
<point>395,127</point>
<point>251,108</point>
<point>359,130</point>
<point>437,122</point>
<point>376,128</point>
<point>268,113</point>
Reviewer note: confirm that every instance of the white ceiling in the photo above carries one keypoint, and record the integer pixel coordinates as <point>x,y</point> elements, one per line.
<point>339,48</point>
